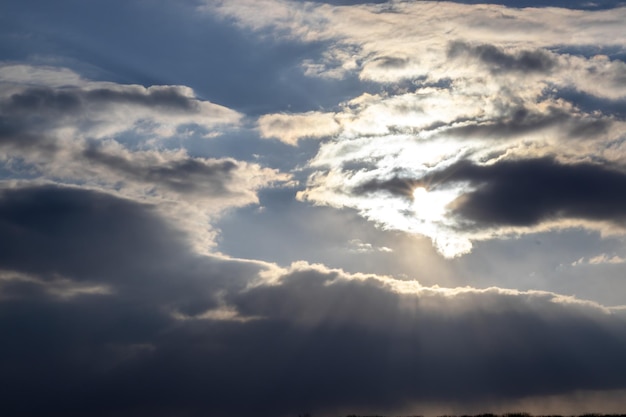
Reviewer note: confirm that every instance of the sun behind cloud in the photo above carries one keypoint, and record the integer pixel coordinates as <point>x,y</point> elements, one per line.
<point>429,205</point>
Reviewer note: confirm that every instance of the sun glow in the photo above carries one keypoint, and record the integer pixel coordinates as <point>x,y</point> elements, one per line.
<point>429,205</point>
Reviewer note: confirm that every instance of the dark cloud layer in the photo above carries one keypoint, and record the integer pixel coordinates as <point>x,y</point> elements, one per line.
<point>29,117</point>
<point>399,186</point>
<point>517,121</point>
<point>580,4</point>
<point>526,192</point>
<point>74,232</point>
<point>321,341</point>
<point>184,175</point>
<point>71,100</point>
<point>498,60</point>
<point>590,103</point>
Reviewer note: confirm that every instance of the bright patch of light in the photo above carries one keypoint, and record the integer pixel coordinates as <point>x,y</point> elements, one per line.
<point>429,205</point>
<point>431,218</point>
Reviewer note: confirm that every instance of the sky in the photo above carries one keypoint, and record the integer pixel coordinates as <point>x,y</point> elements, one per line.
<point>276,207</point>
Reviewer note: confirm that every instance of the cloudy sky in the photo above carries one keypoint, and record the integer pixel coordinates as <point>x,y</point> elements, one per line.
<point>271,207</point>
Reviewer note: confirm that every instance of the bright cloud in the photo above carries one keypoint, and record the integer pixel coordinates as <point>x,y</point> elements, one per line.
<point>483,84</point>
<point>290,128</point>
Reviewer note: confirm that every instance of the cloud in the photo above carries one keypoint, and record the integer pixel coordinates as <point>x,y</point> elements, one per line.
<point>60,100</point>
<point>485,84</point>
<point>290,128</point>
<point>466,201</point>
<point>497,60</point>
<point>109,137</point>
<point>520,122</point>
<point>584,5</point>
<point>526,192</point>
<point>178,333</point>
<point>115,304</point>
<point>358,246</point>
<point>601,259</point>
<point>415,36</point>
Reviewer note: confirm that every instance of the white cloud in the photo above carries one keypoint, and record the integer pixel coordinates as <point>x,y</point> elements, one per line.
<point>476,82</point>
<point>289,128</point>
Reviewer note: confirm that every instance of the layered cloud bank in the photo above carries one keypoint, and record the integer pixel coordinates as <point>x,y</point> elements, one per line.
<point>134,323</point>
<point>462,85</point>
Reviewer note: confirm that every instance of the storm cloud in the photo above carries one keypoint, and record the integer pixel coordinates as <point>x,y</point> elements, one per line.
<point>286,339</point>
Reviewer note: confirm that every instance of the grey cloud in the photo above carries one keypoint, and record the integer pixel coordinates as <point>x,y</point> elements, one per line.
<point>590,103</point>
<point>399,186</point>
<point>104,136</point>
<point>74,134</point>
<point>186,175</point>
<point>67,101</point>
<point>526,192</point>
<point>579,4</point>
<point>497,60</point>
<point>167,97</point>
<point>348,2</point>
<point>33,116</point>
<point>518,120</point>
<point>323,341</point>
<point>390,62</point>
<point>34,100</point>
<point>14,133</point>
<point>49,229</point>
<point>428,355</point>
<point>57,233</point>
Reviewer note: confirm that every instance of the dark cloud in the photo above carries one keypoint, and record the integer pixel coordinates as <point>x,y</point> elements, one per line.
<point>578,4</point>
<point>517,120</point>
<point>497,60</point>
<point>527,192</point>
<point>50,229</point>
<point>45,101</point>
<point>185,175</point>
<point>322,341</point>
<point>390,62</point>
<point>29,118</point>
<point>349,2</point>
<point>399,186</point>
<point>612,51</point>
<point>32,124</point>
<point>426,355</point>
<point>590,103</point>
